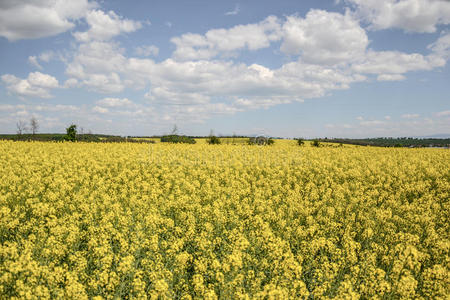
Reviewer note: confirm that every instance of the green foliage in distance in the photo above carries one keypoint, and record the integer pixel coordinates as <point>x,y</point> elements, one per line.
<point>177,139</point>
<point>315,143</point>
<point>71,133</point>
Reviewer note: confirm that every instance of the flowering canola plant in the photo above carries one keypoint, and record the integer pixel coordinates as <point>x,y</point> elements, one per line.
<point>158,221</point>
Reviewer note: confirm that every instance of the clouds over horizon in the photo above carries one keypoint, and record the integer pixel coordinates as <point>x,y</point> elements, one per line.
<point>320,52</point>
<point>202,68</point>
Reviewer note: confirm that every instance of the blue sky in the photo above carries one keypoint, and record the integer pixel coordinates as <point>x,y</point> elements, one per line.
<point>350,68</point>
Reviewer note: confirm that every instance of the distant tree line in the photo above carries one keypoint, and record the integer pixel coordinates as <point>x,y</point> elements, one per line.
<point>393,142</point>
<point>29,132</point>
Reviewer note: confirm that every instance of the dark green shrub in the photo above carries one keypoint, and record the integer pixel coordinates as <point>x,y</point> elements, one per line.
<point>315,143</point>
<point>88,138</point>
<point>300,142</point>
<point>57,138</point>
<point>213,140</point>
<point>176,139</point>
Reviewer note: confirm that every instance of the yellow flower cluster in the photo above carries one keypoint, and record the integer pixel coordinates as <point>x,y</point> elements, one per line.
<point>158,221</point>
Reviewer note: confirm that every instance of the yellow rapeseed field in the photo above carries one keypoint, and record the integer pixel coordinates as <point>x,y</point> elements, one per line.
<point>94,221</point>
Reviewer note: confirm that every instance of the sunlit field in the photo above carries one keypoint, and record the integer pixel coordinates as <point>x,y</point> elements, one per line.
<point>87,220</point>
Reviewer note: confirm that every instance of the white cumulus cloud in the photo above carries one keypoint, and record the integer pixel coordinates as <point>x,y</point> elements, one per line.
<point>393,62</point>
<point>409,15</point>
<point>324,37</point>
<point>36,84</point>
<point>97,65</point>
<point>224,41</point>
<point>104,26</point>
<point>31,19</point>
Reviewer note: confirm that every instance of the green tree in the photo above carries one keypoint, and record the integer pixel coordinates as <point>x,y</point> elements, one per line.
<point>300,141</point>
<point>315,143</point>
<point>71,133</point>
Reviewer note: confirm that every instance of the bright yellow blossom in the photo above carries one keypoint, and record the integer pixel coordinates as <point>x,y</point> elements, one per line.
<point>158,221</point>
